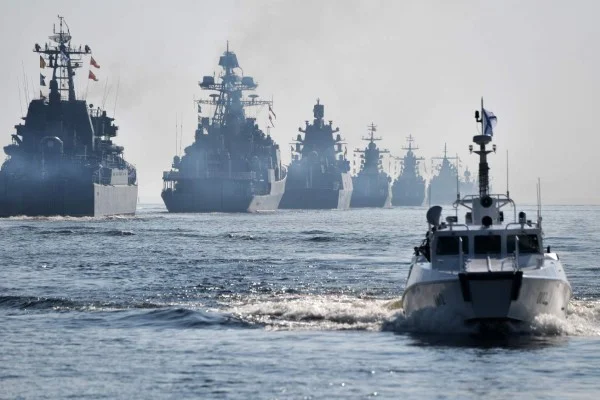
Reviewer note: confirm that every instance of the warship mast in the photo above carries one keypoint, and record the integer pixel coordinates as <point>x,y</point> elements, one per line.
<point>64,59</point>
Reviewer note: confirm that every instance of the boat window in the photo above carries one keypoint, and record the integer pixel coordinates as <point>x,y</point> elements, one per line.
<point>448,245</point>
<point>488,244</point>
<point>527,244</point>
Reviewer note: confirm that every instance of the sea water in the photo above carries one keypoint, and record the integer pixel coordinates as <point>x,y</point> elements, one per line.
<point>274,305</point>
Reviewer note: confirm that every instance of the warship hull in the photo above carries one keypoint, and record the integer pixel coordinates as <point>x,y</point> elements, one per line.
<point>317,198</point>
<point>66,199</point>
<point>221,195</point>
<point>366,196</point>
<point>408,198</point>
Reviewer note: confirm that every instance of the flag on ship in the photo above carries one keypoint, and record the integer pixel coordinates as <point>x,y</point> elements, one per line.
<point>489,122</point>
<point>42,62</point>
<point>272,112</point>
<point>42,80</point>
<point>92,76</point>
<point>271,121</point>
<point>94,63</point>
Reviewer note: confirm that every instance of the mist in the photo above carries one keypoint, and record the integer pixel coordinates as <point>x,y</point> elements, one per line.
<point>412,68</point>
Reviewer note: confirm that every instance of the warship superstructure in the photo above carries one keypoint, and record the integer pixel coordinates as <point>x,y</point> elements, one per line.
<point>443,185</point>
<point>232,166</point>
<point>62,160</point>
<point>318,176</point>
<point>409,187</point>
<point>371,186</point>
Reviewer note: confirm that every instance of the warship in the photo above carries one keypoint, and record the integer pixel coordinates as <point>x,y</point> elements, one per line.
<point>443,187</point>
<point>371,186</point>
<point>318,176</point>
<point>409,188</point>
<point>232,165</point>
<point>468,186</point>
<point>62,160</point>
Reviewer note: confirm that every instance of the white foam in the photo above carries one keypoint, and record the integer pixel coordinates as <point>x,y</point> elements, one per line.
<point>341,312</point>
<point>323,312</point>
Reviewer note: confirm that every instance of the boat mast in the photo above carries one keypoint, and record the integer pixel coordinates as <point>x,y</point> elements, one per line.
<point>482,140</point>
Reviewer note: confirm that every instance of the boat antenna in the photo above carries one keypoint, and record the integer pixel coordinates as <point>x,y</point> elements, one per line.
<point>457,181</point>
<point>116,96</point>
<point>180,133</point>
<point>25,85</point>
<point>176,136</point>
<point>507,175</point>
<point>20,98</point>
<point>539,201</point>
<point>105,95</point>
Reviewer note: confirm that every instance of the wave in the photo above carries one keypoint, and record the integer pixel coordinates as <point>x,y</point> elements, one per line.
<point>321,239</point>
<point>314,232</point>
<point>182,318</point>
<point>61,218</point>
<point>241,237</point>
<point>63,304</point>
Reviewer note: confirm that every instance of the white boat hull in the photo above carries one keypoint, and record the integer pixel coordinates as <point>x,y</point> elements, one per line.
<point>490,296</point>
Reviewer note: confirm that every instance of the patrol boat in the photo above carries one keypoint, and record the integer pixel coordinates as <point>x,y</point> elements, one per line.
<point>409,187</point>
<point>62,160</point>
<point>371,186</point>
<point>486,271</point>
<point>319,175</point>
<point>232,166</point>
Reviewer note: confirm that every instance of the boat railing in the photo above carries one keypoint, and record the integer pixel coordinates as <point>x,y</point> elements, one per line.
<point>502,200</point>
<point>529,223</point>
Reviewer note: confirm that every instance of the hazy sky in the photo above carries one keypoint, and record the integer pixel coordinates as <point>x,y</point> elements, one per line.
<point>417,67</point>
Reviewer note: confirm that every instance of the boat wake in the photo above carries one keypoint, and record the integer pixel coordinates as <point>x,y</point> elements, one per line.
<point>342,312</point>
<point>316,312</point>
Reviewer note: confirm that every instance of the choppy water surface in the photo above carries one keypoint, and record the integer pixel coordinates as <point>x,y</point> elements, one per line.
<point>273,305</point>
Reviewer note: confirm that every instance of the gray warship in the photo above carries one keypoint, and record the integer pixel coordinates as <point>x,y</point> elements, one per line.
<point>371,186</point>
<point>318,176</point>
<point>62,160</point>
<point>468,185</point>
<point>232,166</point>
<point>409,187</point>
<point>444,185</point>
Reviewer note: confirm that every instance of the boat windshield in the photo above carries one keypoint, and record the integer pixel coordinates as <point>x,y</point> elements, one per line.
<point>488,244</point>
<point>527,244</point>
<point>448,245</point>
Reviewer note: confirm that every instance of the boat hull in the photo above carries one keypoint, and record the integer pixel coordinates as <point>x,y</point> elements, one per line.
<point>222,195</point>
<point>66,198</point>
<point>492,296</point>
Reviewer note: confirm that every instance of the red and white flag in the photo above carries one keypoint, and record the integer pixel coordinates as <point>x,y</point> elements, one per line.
<point>92,76</point>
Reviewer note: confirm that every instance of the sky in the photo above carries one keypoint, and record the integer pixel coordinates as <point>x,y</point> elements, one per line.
<point>411,67</point>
